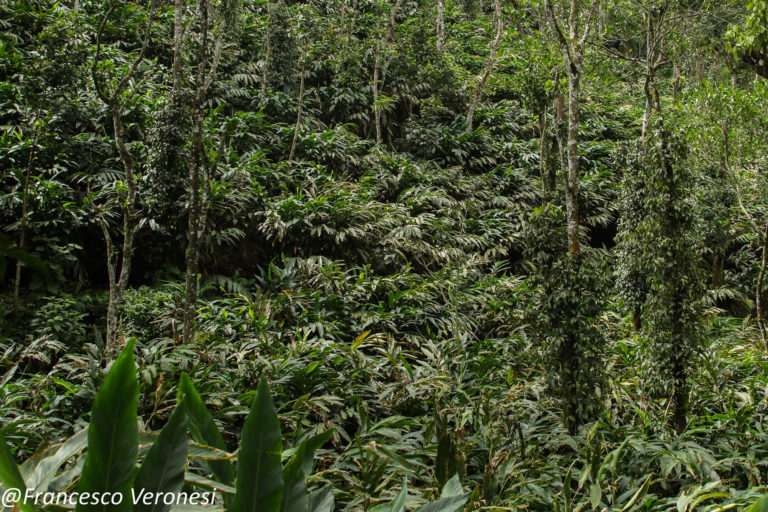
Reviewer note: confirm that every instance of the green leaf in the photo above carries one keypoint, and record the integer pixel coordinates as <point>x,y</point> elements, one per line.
<point>259,483</point>
<point>203,428</point>
<point>314,443</point>
<point>322,500</point>
<point>163,468</point>
<point>295,497</point>
<point>452,488</point>
<point>10,476</point>
<point>595,494</point>
<point>396,505</point>
<point>639,494</point>
<point>761,505</point>
<point>452,504</point>
<point>39,470</point>
<point>113,436</point>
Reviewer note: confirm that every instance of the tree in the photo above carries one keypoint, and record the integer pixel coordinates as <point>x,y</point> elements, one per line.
<point>440,25</point>
<point>572,50</point>
<point>200,164</point>
<point>116,92</point>
<point>750,41</point>
<point>657,245</point>
<point>380,67</point>
<point>499,21</point>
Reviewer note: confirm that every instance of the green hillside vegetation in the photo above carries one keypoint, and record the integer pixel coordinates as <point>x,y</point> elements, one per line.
<point>386,255</point>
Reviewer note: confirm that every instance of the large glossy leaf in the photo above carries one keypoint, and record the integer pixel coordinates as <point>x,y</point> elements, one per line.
<point>259,486</point>
<point>452,488</point>
<point>163,468</point>
<point>203,428</point>
<point>10,476</point>
<point>761,505</point>
<point>113,436</point>
<point>321,500</point>
<point>295,497</point>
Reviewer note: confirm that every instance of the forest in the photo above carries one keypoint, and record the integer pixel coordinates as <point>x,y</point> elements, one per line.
<point>383,255</point>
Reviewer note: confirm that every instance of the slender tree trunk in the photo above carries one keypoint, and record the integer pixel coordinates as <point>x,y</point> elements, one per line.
<point>115,99</point>
<point>379,66</point>
<point>700,66</point>
<point>178,44</point>
<point>680,394</point>
<point>264,70</point>
<point>440,25</point>
<point>376,106</point>
<point>23,223</point>
<point>572,55</point>
<point>759,307</point>
<point>488,67</point>
<point>298,114</point>
<point>675,82</point>
<point>559,130</point>
<point>198,153</point>
<point>572,183</point>
<point>198,162</point>
<point>545,157</point>
<point>117,290</point>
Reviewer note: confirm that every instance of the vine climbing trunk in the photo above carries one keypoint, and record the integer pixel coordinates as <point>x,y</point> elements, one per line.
<point>572,180</point>
<point>198,165</point>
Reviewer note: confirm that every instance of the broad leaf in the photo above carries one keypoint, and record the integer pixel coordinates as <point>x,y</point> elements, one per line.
<point>203,428</point>
<point>321,500</point>
<point>396,505</point>
<point>452,488</point>
<point>113,436</point>
<point>259,486</point>
<point>163,468</point>
<point>295,497</point>
<point>314,443</point>
<point>761,505</point>
<point>10,476</point>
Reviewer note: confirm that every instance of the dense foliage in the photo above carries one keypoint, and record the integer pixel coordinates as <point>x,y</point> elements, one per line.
<point>412,247</point>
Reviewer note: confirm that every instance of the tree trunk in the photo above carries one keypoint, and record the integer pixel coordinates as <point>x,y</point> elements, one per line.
<point>675,82</point>
<point>679,395</point>
<point>23,224</point>
<point>117,290</point>
<point>198,153</point>
<point>545,156</point>
<point>440,25</point>
<point>178,43</point>
<point>572,182</point>
<point>759,290</point>
<point>264,70</point>
<point>198,161</point>
<point>377,64</point>
<point>376,112</point>
<point>700,66</point>
<point>488,68</point>
<point>115,99</point>
<point>298,114</point>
